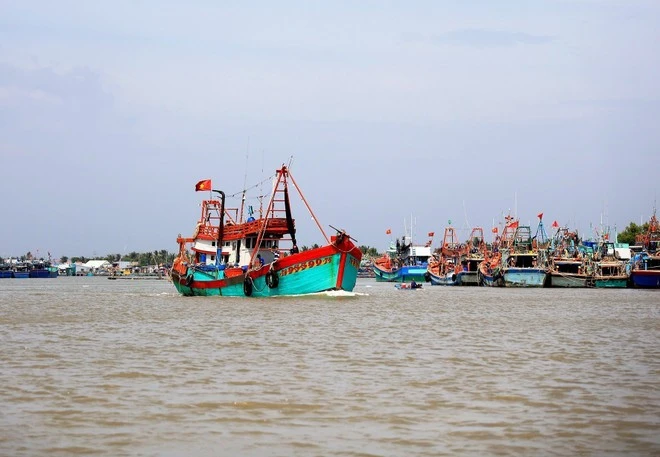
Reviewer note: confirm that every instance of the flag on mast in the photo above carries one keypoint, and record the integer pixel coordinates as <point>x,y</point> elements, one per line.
<point>204,184</point>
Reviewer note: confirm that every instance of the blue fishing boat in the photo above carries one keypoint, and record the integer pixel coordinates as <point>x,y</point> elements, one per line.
<point>645,272</point>
<point>403,261</point>
<point>21,270</point>
<point>43,269</point>
<point>5,271</point>
<point>645,266</point>
<point>523,264</point>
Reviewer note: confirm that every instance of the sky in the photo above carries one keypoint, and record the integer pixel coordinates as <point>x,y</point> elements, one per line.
<point>392,115</point>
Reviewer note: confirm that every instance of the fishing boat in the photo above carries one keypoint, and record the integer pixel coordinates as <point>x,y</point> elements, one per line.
<point>645,266</point>
<point>645,272</point>
<point>385,267</point>
<point>5,271</point>
<point>490,271</point>
<point>474,254</point>
<point>607,263</point>
<point>403,261</point>
<point>441,272</point>
<point>523,262</point>
<point>43,269</point>
<point>230,256</point>
<point>21,270</point>
<point>568,264</point>
<point>566,272</point>
<point>444,267</point>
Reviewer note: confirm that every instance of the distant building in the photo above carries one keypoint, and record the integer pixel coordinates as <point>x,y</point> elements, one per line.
<point>95,265</point>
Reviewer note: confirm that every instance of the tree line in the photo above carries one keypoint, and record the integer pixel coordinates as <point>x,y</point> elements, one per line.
<point>162,257</point>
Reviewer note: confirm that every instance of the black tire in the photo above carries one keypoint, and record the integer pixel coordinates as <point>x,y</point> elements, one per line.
<point>427,277</point>
<point>247,286</point>
<point>272,279</point>
<point>189,279</point>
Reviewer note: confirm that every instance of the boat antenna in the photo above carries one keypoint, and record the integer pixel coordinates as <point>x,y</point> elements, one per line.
<point>516,204</point>
<point>247,156</point>
<point>467,223</point>
<point>261,188</point>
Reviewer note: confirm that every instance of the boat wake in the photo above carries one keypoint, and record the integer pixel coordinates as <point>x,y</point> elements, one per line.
<point>330,293</point>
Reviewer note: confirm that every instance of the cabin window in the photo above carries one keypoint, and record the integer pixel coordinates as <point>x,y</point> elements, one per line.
<point>212,243</point>
<point>250,242</point>
<point>212,258</point>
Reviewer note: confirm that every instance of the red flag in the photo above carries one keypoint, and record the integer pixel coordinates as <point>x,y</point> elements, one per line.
<point>513,224</point>
<point>388,232</point>
<point>540,215</point>
<point>555,224</point>
<point>204,184</point>
<point>494,230</point>
<point>431,233</point>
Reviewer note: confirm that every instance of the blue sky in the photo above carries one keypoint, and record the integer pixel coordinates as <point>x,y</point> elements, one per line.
<point>110,112</point>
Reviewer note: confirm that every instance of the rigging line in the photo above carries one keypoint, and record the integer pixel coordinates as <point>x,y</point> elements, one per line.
<point>254,186</point>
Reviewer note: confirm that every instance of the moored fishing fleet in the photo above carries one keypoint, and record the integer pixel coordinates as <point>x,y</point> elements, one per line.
<point>522,257</point>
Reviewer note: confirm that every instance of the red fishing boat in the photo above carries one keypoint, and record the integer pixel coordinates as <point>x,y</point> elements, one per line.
<point>231,255</point>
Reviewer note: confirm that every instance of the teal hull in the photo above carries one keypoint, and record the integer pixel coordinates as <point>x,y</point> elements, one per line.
<point>611,283</point>
<point>309,275</point>
<point>404,274</point>
<point>524,277</point>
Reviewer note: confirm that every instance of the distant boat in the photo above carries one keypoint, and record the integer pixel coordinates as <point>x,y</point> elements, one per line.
<point>405,286</point>
<point>235,257</point>
<point>490,271</point>
<point>566,272</point>
<point>21,270</point>
<point>403,261</point>
<point>474,254</point>
<point>43,269</point>
<point>444,267</point>
<point>645,267</point>
<point>5,271</point>
<point>522,265</point>
<point>645,272</point>
<point>568,264</point>
<point>608,267</point>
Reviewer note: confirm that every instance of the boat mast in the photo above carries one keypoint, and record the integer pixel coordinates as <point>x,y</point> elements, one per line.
<point>247,155</point>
